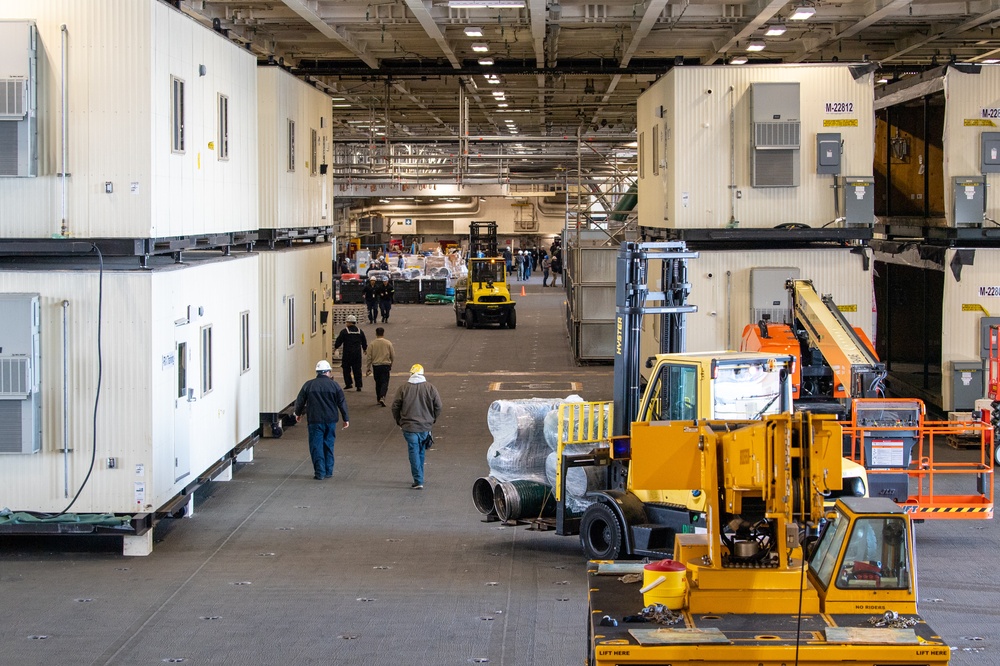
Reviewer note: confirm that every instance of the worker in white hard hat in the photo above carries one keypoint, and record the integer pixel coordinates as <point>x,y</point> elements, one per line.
<point>323,401</point>
<point>353,340</point>
<point>416,408</point>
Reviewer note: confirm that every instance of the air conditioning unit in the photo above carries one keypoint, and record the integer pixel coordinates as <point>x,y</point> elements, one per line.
<point>776,132</point>
<point>20,370</point>
<point>18,99</point>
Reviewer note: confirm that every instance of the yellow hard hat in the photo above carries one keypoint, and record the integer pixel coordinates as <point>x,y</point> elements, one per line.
<point>416,369</point>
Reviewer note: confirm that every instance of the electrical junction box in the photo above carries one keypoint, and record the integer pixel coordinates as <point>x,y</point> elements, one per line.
<point>984,335</point>
<point>858,199</point>
<point>990,152</point>
<point>969,200</point>
<point>966,384</point>
<point>768,295</point>
<point>18,99</point>
<point>20,369</point>
<point>828,152</point>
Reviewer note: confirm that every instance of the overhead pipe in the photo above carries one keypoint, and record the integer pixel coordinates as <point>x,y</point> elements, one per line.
<point>65,359</point>
<point>64,38</point>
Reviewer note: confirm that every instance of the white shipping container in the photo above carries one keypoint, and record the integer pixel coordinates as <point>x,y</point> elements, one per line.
<point>695,142</point>
<point>175,397</point>
<point>126,177</point>
<point>294,121</point>
<point>720,288</point>
<point>295,287</point>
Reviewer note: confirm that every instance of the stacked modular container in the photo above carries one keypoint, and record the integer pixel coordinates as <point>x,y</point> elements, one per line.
<point>756,147</point>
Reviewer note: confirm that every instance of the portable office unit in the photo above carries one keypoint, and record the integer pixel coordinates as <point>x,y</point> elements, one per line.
<point>756,147</point>
<point>175,366</point>
<point>159,118</point>
<point>937,147</point>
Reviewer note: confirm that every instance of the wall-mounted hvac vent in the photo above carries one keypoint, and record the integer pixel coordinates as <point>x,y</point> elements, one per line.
<point>18,128</point>
<point>776,132</point>
<point>20,391</point>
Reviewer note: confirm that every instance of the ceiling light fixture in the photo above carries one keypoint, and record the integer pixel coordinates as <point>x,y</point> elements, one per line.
<point>486,61</point>
<point>498,93</point>
<point>756,46</point>
<point>991,61</point>
<point>738,60</point>
<point>342,106</point>
<point>774,29</point>
<point>502,105</point>
<point>802,12</point>
<point>480,47</point>
<point>489,4</point>
<point>473,32</point>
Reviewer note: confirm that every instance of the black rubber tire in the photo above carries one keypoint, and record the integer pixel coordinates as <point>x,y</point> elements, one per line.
<point>470,319</point>
<point>458,319</point>
<point>512,319</point>
<point>276,430</point>
<point>601,535</point>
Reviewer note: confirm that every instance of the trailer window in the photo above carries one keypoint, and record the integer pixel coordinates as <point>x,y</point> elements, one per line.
<point>674,395</point>
<point>746,392</point>
<point>876,556</point>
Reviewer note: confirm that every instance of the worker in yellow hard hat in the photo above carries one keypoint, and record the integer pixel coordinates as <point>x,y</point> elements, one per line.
<point>416,408</point>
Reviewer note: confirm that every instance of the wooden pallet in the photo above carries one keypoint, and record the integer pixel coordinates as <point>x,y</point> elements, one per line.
<point>963,441</point>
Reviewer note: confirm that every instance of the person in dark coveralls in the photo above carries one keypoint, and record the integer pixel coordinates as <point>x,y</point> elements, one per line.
<point>352,339</point>
<point>416,408</point>
<point>385,292</point>
<point>370,293</point>
<point>322,400</point>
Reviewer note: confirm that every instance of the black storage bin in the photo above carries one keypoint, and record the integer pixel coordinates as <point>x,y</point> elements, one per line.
<point>352,291</point>
<point>406,291</point>
<point>432,286</point>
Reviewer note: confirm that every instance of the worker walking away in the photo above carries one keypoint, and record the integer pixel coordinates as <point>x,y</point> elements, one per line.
<point>385,292</point>
<point>353,340</point>
<point>546,265</point>
<point>378,361</point>
<point>370,293</point>
<point>416,408</point>
<point>323,401</point>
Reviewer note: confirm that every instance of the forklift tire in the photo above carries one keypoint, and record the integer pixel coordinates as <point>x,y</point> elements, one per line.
<point>276,430</point>
<point>996,456</point>
<point>512,319</point>
<point>458,319</point>
<point>601,533</point>
<point>470,319</point>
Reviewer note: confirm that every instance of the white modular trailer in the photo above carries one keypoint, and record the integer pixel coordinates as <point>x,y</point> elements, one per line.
<point>295,289</point>
<point>721,289</point>
<point>712,156</point>
<point>294,130</point>
<point>160,125</point>
<point>176,394</point>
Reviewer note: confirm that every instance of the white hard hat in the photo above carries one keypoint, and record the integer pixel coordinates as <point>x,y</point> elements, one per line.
<point>351,319</point>
<point>323,366</point>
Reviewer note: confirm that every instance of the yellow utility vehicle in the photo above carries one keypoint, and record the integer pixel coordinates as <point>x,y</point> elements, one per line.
<point>483,297</point>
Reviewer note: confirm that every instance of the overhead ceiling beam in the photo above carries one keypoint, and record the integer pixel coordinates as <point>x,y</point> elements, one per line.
<point>765,14</point>
<point>615,80</point>
<point>874,17</point>
<point>538,20</point>
<point>913,44</point>
<point>420,11</point>
<point>307,10</point>
<point>653,10</point>
<point>420,105</point>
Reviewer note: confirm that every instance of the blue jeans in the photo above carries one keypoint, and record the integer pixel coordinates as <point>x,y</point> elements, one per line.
<point>321,439</point>
<point>415,441</point>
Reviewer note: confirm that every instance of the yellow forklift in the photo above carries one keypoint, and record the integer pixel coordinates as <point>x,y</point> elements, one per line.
<point>483,297</point>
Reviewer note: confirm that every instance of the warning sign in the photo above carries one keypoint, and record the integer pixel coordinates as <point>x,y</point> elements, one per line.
<point>847,308</point>
<point>979,122</point>
<point>841,122</point>
<point>887,453</point>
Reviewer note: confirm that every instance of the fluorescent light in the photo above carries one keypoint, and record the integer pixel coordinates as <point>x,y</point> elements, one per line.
<point>491,4</point>
<point>342,106</point>
<point>480,47</point>
<point>882,81</point>
<point>502,105</point>
<point>486,61</point>
<point>991,61</point>
<point>802,12</point>
<point>774,29</point>
<point>473,32</point>
<point>499,94</point>
<point>756,46</point>
<point>738,60</point>
<point>493,80</point>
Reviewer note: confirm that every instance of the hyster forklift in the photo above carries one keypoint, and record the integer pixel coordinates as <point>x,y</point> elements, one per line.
<point>483,297</point>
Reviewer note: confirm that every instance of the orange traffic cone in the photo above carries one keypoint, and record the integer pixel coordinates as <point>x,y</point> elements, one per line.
<point>522,290</point>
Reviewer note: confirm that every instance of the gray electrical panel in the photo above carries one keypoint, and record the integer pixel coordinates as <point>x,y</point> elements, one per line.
<point>776,134</point>
<point>18,108</point>
<point>969,200</point>
<point>828,152</point>
<point>858,199</point>
<point>967,384</point>
<point>768,295</point>
<point>984,335</point>
<point>20,370</point>
<point>989,152</point>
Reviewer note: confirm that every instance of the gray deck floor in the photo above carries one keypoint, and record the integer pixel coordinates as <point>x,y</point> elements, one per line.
<point>277,568</point>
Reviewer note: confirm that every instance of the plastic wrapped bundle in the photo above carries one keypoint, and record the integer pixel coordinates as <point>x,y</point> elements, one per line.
<point>518,450</point>
<point>551,424</point>
<point>579,480</point>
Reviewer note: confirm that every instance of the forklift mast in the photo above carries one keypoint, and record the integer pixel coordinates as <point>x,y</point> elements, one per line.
<point>483,238</point>
<point>633,299</point>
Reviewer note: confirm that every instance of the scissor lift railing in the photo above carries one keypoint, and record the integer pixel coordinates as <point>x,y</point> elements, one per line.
<point>580,423</point>
<point>927,473</point>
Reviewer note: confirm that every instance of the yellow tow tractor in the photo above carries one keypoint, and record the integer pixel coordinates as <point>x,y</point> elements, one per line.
<point>483,297</point>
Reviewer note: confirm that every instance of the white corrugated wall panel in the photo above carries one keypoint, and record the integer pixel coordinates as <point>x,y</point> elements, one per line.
<point>135,422</point>
<point>694,137</point>
<point>966,97</point>
<point>720,287</point>
<point>296,272</point>
<point>292,198</point>
<point>120,57</point>
<point>963,305</point>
